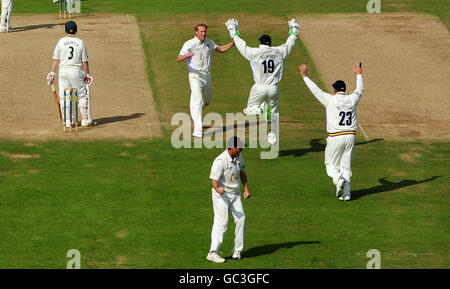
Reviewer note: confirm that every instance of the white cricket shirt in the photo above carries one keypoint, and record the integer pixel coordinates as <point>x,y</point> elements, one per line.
<point>340,108</point>
<point>227,172</point>
<point>266,61</point>
<point>71,52</point>
<point>201,61</point>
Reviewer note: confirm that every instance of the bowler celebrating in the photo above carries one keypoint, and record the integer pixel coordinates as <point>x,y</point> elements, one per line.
<point>197,52</point>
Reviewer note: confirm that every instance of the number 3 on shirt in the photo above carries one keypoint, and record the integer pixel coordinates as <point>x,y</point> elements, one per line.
<point>342,114</point>
<point>71,52</point>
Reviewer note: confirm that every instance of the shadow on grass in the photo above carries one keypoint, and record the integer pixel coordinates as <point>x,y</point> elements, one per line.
<point>111,119</point>
<point>33,27</point>
<point>272,248</point>
<point>232,127</point>
<point>387,186</point>
<point>316,146</point>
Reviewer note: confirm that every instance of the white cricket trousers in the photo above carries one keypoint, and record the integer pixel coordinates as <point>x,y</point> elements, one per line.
<point>270,94</point>
<point>7,6</point>
<point>338,156</point>
<point>201,91</point>
<point>74,78</point>
<point>223,204</point>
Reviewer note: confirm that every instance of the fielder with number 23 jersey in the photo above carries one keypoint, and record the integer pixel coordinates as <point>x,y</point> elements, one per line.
<point>342,123</point>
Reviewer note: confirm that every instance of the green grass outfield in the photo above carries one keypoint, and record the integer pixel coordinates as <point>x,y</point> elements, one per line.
<point>134,204</point>
<point>282,8</point>
<point>144,204</point>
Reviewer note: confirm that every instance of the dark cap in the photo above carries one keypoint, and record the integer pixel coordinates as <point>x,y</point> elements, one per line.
<point>339,85</point>
<point>266,40</point>
<point>71,27</point>
<point>235,142</point>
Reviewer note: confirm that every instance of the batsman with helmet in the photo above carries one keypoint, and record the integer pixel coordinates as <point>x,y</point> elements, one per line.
<point>71,55</point>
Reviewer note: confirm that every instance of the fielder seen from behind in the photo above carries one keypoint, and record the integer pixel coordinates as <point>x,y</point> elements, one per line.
<point>71,55</point>
<point>267,66</point>
<point>342,123</point>
<point>227,172</point>
<point>5,25</point>
<point>197,52</point>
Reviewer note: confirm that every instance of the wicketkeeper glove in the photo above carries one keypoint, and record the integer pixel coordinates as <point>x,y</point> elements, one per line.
<point>293,25</point>
<point>50,77</point>
<point>89,79</point>
<point>232,26</point>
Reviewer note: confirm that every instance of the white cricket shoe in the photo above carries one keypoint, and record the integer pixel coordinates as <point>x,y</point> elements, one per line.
<point>68,124</point>
<point>236,255</point>
<point>3,28</point>
<point>197,135</point>
<point>340,186</point>
<point>55,1</point>
<point>86,122</point>
<point>254,110</point>
<point>214,257</point>
<point>272,138</point>
<point>347,195</point>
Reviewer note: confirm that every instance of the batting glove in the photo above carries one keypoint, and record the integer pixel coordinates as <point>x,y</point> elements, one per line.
<point>89,79</point>
<point>50,78</point>
<point>293,25</point>
<point>232,26</point>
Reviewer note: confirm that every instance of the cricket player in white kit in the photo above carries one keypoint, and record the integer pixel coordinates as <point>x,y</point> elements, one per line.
<point>5,24</point>
<point>342,123</point>
<point>71,55</point>
<point>227,171</point>
<point>197,52</point>
<point>267,66</point>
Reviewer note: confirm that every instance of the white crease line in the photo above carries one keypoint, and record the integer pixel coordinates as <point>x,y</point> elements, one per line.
<point>149,131</point>
<point>367,138</point>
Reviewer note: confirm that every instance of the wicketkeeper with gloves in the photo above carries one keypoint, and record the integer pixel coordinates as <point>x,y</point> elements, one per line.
<point>267,65</point>
<point>71,55</point>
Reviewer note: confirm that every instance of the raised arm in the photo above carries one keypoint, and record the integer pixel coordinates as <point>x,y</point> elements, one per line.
<point>232,26</point>
<point>357,69</point>
<point>243,48</point>
<point>286,48</point>
<point>321,95</point>
<point>225,48</point>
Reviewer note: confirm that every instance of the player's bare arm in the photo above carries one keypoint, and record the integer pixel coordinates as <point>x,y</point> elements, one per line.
<point>315,90</point>
<point>88,79</point>
<point>245,183</point>
<point>303,70</point>
<point>86,67</point>
<point>216,187</point>
<point>181,58</point>
<point>225,48</point>
<point>51,75</point>
<point>357,68</point>
<point>55,64</point>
